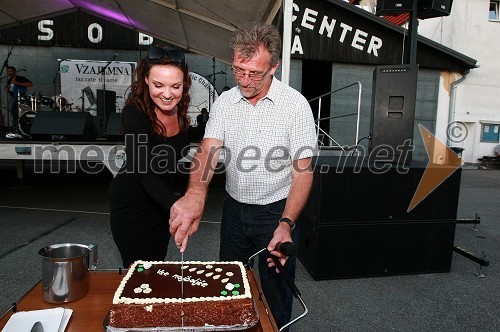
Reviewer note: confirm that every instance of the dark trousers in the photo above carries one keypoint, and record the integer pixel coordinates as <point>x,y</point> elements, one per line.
<point>246,229</point>
<point>13,108</point>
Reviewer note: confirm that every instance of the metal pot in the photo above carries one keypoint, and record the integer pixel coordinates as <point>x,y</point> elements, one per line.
<point>65,271</point>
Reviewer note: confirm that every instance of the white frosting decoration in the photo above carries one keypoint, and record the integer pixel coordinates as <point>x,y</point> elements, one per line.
<point>149,308</point>
<point>192,269</point>
<point>229,274</point>
<point>229,286</point>
<point>200,271</point>
<point>218,269</point>
<point>118,299</point>
<point>147,265</point>
<point>209,274</point>
<point>216,276</point>
<point>144,288</point>
<point>210,266</point>
<point>224,280</point>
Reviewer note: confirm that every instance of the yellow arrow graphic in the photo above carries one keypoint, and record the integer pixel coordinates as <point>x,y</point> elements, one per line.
<point>443,161</point>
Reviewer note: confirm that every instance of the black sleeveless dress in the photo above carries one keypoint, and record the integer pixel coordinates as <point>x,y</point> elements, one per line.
<point>145,188</point>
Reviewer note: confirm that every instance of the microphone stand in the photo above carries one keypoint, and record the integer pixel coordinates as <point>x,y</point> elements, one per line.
<point>57,101</point>
<point>103,72</point>
<point>211,78</point>
<point>5,65</point>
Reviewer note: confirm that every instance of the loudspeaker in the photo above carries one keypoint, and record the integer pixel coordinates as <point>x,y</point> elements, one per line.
<point>393,7</point>
<point>114,130</point>
<point>77,126</point>
<point>433,8</point>
<point>106,102</point>
<point>100,124</point>
<point>341,185</point>
<point>375,249</point>
<point>356,224</point>
<point>393,111</point>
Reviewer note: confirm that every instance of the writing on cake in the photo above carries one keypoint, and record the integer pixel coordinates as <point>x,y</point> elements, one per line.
<point>194,282</point>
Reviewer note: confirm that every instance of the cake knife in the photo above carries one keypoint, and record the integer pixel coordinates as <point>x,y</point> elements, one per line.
<point>182,289</point>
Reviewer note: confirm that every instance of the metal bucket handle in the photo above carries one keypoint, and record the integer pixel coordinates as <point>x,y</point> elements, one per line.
<point>95,256</point>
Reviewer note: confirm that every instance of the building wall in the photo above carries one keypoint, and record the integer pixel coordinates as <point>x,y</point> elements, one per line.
<point>468,31</point>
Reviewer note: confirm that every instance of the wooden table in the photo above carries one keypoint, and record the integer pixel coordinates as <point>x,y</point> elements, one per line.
<point>90,311</point>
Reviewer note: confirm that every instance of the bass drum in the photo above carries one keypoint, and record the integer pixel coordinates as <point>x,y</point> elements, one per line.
<point>25,122</point>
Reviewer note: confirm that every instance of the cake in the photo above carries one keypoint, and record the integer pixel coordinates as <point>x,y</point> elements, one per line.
<point>215,294</point>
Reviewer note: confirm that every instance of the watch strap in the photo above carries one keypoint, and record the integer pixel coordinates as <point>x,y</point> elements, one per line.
<point>289,221</point>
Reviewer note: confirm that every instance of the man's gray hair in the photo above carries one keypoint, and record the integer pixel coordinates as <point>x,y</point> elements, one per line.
<point>249,37</point>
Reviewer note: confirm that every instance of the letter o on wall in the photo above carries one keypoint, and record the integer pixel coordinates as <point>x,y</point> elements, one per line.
<point>98,28</point>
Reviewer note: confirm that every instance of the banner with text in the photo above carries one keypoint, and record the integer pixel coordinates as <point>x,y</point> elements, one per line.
<point>203,95</point>
<point>80,80</point>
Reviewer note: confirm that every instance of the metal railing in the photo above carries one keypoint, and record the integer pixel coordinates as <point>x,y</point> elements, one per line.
<point>319,119</point>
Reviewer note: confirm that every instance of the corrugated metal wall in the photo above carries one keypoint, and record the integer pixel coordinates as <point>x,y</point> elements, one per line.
<point>343,129</point>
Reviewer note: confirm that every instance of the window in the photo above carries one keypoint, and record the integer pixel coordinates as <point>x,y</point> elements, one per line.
<point>490,132</point>
<point>494,14</point>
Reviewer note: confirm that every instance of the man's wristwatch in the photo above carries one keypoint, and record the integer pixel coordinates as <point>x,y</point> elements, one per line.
<point>289,221</point>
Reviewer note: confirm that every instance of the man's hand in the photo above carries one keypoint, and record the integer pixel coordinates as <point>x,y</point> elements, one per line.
<point>281,234</point>
<point>185,217</point>
<point>186,213</point>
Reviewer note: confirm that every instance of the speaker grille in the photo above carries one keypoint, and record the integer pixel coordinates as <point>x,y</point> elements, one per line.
<point>434,8</point>
<point>77,126</point>
<point>393,7</point>
<point>393,110</point>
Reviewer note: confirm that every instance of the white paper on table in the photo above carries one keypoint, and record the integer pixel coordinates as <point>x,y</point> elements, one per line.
<point>53,320</point>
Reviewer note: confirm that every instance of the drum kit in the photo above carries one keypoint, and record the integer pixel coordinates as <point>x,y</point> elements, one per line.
<point>29,105</point>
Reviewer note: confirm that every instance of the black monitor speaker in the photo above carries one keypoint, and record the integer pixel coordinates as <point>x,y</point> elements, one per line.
<point>106,102</point>
<point>393,7</point>
<point>63,126</point>
<point>393,110</point>
<point>433,8</point>
<point>114,130</point>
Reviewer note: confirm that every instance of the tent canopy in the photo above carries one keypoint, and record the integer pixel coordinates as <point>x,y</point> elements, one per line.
<point>206,26</point>
<point>200,26</point>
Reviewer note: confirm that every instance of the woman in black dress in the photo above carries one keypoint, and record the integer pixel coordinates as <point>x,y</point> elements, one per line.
<point>155,125</point>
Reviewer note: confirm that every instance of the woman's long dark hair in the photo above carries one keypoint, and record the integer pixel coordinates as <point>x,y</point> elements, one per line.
<point>139,94</point>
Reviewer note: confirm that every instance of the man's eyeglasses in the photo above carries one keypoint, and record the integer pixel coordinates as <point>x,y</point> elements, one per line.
<point>156,53</point>
<point>253,75</point>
